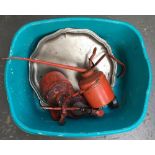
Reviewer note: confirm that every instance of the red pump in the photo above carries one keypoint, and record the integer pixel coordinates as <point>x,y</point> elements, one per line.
<point>62,98</point>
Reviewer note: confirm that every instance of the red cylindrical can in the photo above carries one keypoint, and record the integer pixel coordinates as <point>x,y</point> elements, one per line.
<point>96,89</point>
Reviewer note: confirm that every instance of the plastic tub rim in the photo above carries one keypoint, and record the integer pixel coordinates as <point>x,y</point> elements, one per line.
<point>91,134</point>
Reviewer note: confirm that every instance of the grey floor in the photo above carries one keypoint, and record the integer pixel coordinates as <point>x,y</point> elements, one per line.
<point>10,24</point>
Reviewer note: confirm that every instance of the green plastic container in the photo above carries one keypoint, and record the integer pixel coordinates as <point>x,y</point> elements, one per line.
<point>132,90</point>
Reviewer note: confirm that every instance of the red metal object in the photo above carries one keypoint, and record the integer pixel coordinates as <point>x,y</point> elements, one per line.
<point>55,83</point>
<point>56,90</point>
<point>59,93</point>
<point>97,89</point>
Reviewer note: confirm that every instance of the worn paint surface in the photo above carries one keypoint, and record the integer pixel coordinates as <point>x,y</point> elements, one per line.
<point>10,24</point>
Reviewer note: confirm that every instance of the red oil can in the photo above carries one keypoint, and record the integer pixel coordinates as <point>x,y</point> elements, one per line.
<point>97,89</point>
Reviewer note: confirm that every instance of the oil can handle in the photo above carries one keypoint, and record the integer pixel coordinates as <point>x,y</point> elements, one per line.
<point>115,59</point>
<point>120,63</point>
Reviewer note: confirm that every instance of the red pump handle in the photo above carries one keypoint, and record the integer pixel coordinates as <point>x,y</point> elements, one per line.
<point>115,59</point>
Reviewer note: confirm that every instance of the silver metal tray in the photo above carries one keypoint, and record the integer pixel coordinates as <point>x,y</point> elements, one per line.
<point>72,47</point>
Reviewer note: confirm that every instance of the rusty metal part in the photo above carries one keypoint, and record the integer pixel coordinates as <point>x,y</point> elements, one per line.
<point>54,83</point>
<point>91,79</point>
<point>58,91</point>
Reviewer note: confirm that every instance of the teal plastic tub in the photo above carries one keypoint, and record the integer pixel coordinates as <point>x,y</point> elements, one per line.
<point>132,90</point>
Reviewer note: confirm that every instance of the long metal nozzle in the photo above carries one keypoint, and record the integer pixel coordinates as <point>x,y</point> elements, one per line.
<point>52,64</point>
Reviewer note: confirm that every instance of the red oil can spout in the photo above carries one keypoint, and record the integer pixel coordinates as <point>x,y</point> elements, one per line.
<point>52,64</point>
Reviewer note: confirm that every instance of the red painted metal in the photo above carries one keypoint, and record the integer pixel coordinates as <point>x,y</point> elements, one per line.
<point>52,64</point>
<point>53,84</point>
<point>59,93</point>
<point>97,89</point>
